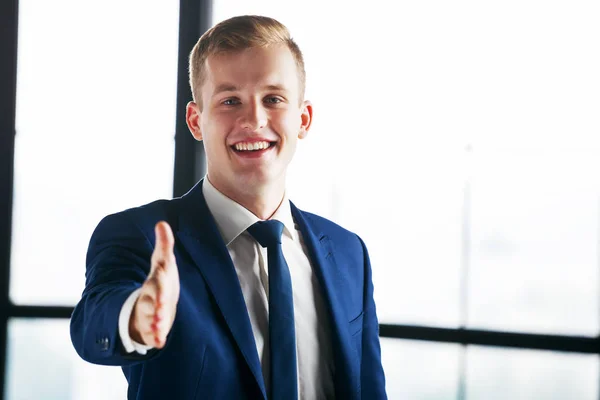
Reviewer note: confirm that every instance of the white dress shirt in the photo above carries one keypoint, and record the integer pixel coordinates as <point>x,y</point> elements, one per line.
<point>313,341</point>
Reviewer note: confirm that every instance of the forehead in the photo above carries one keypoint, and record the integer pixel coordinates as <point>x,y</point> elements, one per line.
<point>257,66</point>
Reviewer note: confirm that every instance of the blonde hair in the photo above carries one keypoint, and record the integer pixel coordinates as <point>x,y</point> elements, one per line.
<point>236,34</point>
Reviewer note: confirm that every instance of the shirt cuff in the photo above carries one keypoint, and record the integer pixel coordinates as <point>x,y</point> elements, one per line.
<point>129,344</point>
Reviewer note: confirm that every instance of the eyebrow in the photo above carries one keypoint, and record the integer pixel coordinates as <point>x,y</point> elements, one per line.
<point>227,87</point>
<point>280,88</point>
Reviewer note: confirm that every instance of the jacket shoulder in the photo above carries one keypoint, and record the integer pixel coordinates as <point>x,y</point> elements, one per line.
<point>143,217</point>
<point>332,229</point>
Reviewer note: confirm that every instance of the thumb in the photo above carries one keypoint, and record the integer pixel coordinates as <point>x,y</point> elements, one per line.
<point>163,248</point>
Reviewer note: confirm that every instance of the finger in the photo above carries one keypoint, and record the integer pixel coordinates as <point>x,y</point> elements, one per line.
<point>153,332</point>
<point>152,288</point>
<point>149,338</point>
<point>151,304</point>
<point>143,325</point>
<point>160,336</point>
<point>163,248</point>
<point>157,287</point>
<point>159,284</point>
<point>159,342</point>
<point>156,335</point>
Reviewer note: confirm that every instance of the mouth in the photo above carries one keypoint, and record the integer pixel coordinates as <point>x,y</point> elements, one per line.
<point>253,149</point>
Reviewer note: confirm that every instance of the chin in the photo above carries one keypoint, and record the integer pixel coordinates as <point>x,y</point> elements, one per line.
<point>256,179</point>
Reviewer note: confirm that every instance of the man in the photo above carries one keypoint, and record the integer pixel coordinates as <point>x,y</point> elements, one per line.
<point>232,292</point>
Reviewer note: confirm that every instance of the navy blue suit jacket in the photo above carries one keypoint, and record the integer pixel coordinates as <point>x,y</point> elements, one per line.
<point>210,352</point>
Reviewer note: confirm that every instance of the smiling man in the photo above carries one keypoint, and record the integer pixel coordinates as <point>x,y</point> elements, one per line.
<point>250,112</point>
<point>231,291</point>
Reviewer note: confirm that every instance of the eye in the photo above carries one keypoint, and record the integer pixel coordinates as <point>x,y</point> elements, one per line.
<point>230,102</point>
<point>273,100</point>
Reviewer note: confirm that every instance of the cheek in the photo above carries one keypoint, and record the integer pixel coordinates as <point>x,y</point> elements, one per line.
<point>290,124</point>
<point>215,134</point>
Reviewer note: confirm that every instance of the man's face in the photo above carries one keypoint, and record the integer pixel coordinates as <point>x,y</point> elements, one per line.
<point>250,99</point>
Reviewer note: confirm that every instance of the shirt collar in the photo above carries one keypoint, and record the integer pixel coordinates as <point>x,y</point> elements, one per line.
<point>233,219</point>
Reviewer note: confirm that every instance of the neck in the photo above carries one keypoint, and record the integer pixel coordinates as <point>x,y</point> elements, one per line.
<point>261,201</point>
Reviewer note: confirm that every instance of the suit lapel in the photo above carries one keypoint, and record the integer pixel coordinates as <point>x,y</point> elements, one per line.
<point>334,283</point>
<point>201,238</point>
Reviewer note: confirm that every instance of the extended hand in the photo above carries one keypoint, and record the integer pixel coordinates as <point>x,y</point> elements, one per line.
<point>154,310</point>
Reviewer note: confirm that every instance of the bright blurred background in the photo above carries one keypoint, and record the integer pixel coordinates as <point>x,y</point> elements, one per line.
<point>460,140</point>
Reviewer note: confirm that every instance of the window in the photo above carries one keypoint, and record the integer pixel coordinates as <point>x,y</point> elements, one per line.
<point>95,123</point>
<point>458,139</point>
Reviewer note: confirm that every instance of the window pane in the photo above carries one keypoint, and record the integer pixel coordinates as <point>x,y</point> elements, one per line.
<point>413,230</point>
<point>420,370</point>
<point>534,255</point>
<point>399,93</point>
<point>95,131</point>
<point>42,364</point>
<point>499,374</point>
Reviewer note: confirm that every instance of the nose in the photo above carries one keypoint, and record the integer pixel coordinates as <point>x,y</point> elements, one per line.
<point>253,116</point>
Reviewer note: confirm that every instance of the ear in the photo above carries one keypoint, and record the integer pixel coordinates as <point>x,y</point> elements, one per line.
<point>305,118</point>
<point>192,118</point>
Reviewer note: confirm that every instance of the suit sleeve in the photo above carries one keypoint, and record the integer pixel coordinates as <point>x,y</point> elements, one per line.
<point>372,375</point>
<point>117,263</point>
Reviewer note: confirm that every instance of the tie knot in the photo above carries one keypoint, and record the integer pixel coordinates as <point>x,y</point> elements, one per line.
<point>267,233</point>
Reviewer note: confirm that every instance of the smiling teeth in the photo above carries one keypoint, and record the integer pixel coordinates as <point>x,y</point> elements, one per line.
<point>251,146</point>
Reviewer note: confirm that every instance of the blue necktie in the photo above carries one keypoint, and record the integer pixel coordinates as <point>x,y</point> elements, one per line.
<point>282,335</point>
